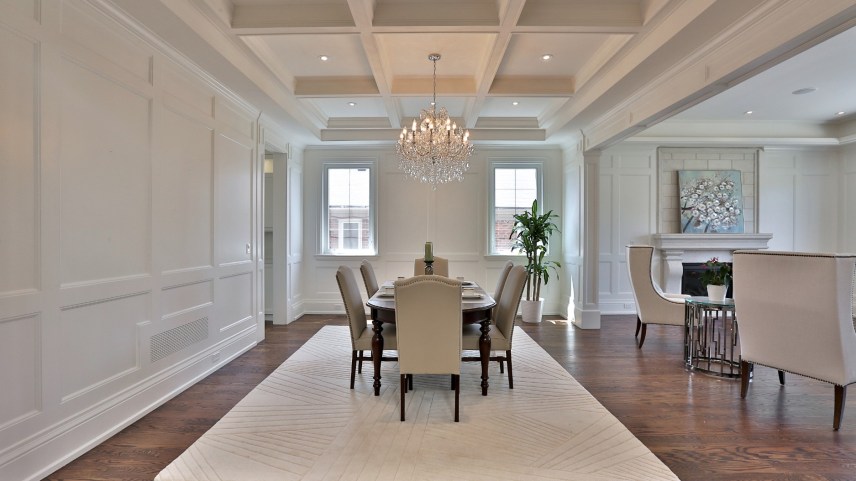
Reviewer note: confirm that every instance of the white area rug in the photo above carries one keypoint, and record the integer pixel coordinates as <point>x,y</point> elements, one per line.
<point>303,423</point>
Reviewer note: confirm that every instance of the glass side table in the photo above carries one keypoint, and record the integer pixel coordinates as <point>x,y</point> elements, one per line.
<point>711,342</point>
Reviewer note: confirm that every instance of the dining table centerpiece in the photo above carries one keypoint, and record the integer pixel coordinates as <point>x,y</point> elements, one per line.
<point>717,277</point>
<point>531,234</point>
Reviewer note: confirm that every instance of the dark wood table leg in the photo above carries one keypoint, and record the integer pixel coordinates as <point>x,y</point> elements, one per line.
<point>484,353</point>
<point>377,353</point>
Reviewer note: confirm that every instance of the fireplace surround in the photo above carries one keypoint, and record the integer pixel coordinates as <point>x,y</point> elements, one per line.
<point>677,249</point>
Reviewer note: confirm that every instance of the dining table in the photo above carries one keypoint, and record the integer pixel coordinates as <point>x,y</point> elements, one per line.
<point>476,308</point>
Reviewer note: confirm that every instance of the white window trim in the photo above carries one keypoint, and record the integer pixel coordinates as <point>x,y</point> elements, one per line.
<point>323,248</point>
<point>538,165</point>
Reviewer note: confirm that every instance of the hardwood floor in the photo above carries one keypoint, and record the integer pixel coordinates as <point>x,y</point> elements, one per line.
<point>696,424</point>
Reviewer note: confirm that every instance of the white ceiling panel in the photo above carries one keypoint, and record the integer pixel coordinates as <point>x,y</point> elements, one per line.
<point>300,54</point>
<point>339,106</point>
<point>526,106</point>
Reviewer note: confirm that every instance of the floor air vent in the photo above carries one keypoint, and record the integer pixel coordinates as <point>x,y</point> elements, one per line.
<point>177,338</point>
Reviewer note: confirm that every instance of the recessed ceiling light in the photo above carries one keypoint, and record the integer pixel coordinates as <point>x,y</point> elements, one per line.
<point>839,113</point>
<point>324,58</point>
<point>352,104</point>
<point>515,103</point>
<point>748,112</point>
<point>804,90</point>
<point>546,56</point>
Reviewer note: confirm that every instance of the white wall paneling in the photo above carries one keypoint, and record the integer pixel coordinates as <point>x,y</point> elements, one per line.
<point>572,204</point>
<point>130,186</point>
<point>454,217</point>
<point>801,199</point>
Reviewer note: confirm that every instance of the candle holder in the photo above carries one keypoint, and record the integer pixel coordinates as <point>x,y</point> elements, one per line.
<point>429,268</point>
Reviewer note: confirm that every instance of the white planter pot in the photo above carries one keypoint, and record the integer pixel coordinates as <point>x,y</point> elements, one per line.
<point>716,293</point>
<point>531,310</point>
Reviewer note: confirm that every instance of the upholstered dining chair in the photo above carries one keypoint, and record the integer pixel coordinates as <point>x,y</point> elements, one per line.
<point>369,278</point>
<point>795,314</point>
<point>361,333</point>
<point>428,320</point>
<point>505,313</point>
<point>500,283</point>
<point>440,265</point>
<point>652,305</point>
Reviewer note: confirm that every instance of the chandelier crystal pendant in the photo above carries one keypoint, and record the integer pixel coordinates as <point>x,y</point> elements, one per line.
<point>435,150</point>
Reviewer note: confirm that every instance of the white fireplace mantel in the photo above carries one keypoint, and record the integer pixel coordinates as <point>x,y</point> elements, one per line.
<point>676,249</point>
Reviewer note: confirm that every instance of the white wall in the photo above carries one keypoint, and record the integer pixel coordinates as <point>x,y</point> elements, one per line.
<point>804,198</point>
<point>129,194</point>
<point>801,198</point>
<point>454,218</point>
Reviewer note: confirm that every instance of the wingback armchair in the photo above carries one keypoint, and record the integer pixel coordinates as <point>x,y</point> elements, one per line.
<point>652,305</point>
<point>795,314</point>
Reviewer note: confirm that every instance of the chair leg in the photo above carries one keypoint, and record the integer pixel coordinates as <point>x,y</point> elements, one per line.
<point>510,374</point>
<point>782,378</point>
<point>745,369</point>
<point>452,383</point>
<point>638,325</point>
<point>457,381</point>
<point>410,382</point>
<point>642,337</point>
<point>840,397</point>
<point>360,365</point>
<point>403,381</point>
<point>501,366</point>
<point>353,366</point>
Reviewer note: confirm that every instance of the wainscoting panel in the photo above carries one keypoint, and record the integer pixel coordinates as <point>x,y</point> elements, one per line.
<point>21,369</point>
<point>182,298</point>
<point>19,163</point>
<point>100,342</point>
<point>233,162</point>
<point>103,240</point>
<point>183,206</point>
<point>234,300</point>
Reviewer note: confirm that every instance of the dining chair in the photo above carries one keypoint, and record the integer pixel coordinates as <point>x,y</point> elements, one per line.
<point>652,305</point>
<point>440,265</point>
<point>369,278</point>
<point>505,312</point>
<point>795,314</point>
<point>428,320</point>
<point>361,333</point>
<point>500,283</point>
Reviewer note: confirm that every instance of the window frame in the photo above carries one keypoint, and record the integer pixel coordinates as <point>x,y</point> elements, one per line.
<point>493,165</point>
<point>324,249</point>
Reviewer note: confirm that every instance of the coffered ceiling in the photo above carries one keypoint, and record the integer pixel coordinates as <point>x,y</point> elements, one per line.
<point>358,70</point>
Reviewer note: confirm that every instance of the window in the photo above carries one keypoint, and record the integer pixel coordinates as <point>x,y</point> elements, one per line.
<point>348,225</point>
<point>513,187</point>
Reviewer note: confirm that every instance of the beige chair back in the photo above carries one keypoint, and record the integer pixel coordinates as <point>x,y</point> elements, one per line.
<point>429,325</point>
<point>794,312</point>
<point>500,283</point>
<point>651,306</point>
<point>506,309</point>
<point>369,278</point>
<point>441,266</point>
<point>353,301</point>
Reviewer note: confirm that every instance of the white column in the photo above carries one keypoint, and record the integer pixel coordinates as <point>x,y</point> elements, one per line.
<point>587,313</point>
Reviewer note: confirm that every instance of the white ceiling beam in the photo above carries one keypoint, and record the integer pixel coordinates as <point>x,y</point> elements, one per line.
<point>391,135</point>
<point>532,86</point>
<point>459,13</point>
<point>316,15</point>
<point>362,13</point>
<point>582,13</point>
<point>335,86</point>
<point>511,14</point>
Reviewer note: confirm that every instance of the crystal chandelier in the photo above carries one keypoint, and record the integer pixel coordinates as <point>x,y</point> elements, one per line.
<point>435,150</point>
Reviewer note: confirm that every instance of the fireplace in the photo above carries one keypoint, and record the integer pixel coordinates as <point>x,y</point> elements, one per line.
<point>691,280</point>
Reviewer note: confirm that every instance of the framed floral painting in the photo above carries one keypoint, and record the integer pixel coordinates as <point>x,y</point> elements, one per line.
<point>711,201</point>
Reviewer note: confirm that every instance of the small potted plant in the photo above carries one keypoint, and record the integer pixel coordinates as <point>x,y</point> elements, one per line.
<point>531,234</point>
<point>716,276</point>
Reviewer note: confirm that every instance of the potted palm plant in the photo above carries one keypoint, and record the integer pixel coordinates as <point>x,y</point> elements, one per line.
<point>531,234</point>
